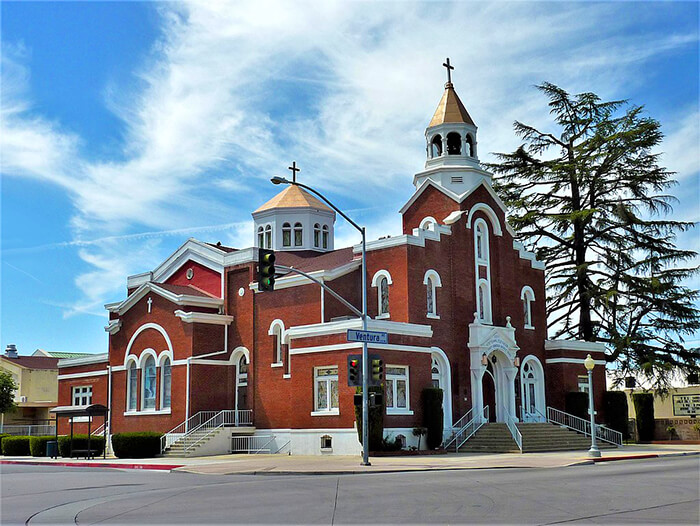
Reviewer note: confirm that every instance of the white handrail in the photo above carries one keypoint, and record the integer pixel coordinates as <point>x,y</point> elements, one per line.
<point>556,416</point>
<point>514,431</point>
<point>207,421</point>
<point>459,424</point>
<point>468,430</point>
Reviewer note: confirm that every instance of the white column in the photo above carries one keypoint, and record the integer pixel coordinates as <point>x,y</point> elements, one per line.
<point>511,374</point>
<point>477,390</point>
<point>444,145</point>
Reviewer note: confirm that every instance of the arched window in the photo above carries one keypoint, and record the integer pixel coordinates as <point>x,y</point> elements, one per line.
<point>484,306</point>
<point>298,237</point>
<point>268,236</point>
<point>428,223</point>
<point>132,386</point>
<point>481,242</point>
<point>165,384</point>
<point>317,235</point>
<point>277,337</point>
<point>470,146</point>
<point>527,295</point>
<point>286,235</point>
<point>381,280</point>
<point>435,374</point>
<point>436,146</point>
<point>261,238</point>
<point>454,143</point>
<point>325,236</point>
<point>242,371</point>
<point>431,280</point>
<point>149,384</point>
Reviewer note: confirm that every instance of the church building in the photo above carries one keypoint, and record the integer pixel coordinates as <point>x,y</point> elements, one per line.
<point>463,303</point>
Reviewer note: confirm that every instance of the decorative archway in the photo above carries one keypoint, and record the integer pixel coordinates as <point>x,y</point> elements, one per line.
<point>442,373</point>
<point>532,389</point>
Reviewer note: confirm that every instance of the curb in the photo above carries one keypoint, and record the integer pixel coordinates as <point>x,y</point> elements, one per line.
<point>111,465</point>
<point>648,455</point>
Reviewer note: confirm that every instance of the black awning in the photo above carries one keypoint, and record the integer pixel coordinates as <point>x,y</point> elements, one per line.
<point>80,410</point>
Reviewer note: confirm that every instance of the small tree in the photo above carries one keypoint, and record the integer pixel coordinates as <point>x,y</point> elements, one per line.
<point>7,392</point>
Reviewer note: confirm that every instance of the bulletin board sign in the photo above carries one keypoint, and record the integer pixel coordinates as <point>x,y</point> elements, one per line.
<point>686,405</point>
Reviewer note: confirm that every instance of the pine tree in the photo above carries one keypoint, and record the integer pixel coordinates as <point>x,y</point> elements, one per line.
<point>593,202</point>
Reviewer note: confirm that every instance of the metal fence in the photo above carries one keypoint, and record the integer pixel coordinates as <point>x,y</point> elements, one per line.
<point>21,430</point>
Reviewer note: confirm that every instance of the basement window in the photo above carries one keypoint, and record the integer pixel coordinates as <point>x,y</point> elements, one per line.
<point>326,442</point>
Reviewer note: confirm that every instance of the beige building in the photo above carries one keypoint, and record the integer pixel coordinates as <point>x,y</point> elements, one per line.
<point>37,380</point>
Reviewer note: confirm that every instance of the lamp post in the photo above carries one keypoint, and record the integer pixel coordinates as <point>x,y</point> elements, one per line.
<point>365,359</point>
<point>589,363</point>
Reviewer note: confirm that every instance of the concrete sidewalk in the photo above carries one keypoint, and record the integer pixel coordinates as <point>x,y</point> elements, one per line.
<point>336,465</point>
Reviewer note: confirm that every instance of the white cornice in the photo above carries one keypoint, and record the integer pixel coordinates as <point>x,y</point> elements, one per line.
<point>295,280</point>
<point>87,374</point>
<point>524,254</point>
<point>83,360</point>
<point>573,360</point>
<point>573,345</point>
<point>203,317</point>
<point>416,239</point>
<point>339,327</point>
<point>113,326</point>
<point>178,299</point>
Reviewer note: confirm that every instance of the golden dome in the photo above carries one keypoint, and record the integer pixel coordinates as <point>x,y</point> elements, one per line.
<point>450,109</point>
<point>293,197</point>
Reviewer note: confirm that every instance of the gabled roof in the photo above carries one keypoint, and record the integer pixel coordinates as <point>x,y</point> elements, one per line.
<point>178,294</point>
<point>59,354</point>
<point>450,109</point>
<point>33,362</point>
<point>294,197</point>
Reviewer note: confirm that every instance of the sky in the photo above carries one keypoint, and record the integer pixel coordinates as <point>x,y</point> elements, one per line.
<point>128,127</point>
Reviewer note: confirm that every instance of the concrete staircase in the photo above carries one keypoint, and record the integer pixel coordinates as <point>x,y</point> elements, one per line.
<point>543,436</point>
<point>202,440</point>
<point>537,437</point>
<point>490,438</point>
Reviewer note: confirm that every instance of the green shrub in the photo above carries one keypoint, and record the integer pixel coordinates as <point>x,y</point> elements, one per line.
<point>577,404</point>
<point>37,445</point>
<point>97,444</point>
<point>144,444</point>
<point>644,409</point>
<point>431,399</point>
<point>15,446</point>
<point>376,422</point>
<point>3,435</point>
<point>616,412</point>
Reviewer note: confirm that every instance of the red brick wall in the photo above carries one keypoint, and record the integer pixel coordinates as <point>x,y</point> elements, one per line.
<point>204,278</point>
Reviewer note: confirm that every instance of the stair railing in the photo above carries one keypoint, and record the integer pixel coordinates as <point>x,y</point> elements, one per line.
<point>468,429</point>
<point>514,431</point>
<point>241,417</point>
<point>202,432</point>
<point>459,424</point>
<point>583,426</point>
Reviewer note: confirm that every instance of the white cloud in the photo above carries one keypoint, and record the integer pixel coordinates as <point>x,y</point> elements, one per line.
<point>232,92</point>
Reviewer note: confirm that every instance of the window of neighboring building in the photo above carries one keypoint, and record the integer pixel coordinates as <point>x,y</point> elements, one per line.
<point>268,236</point>
<point>396,388</point>
<point>326,389</point>
<point>298,235</point>
<point>286,235</point>
<point>166,383</point>
<point>82,395</point>
<point>132,386</point>
<point>325,236</point>
<point>317,235</point>
<point>149,384</point>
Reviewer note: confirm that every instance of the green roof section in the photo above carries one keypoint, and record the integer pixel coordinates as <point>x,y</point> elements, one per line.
<point>60,354</point>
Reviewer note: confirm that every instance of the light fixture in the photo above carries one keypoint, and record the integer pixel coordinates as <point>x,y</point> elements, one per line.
<point>279,180</point>
<point>484,360</point>
<point>589,363</point>
<point>516,362</point>
<point>493,359</point>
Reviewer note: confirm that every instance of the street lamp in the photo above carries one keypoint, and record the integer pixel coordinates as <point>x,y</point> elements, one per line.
<point>365,366</point>
<point>589,364</point>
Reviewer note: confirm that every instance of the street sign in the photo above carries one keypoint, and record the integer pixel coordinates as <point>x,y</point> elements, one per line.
<point>355,335</point>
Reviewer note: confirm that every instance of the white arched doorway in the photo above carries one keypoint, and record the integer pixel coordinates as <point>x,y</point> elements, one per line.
<point>532,389</point>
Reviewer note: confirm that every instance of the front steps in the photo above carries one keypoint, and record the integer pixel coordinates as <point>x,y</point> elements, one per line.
<point>537,437</point>
<point>543,436</point>
<point>177,449</point>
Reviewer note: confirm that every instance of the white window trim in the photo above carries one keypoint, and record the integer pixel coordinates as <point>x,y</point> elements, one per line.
<point>82,395</point>
<point>161,373</point>
<point>277,364</point>
<point>148,412</point>
<point>277,325</point>
<point>331,410</point>
<point>376,280</point>
<point>428,223</point>
<point>528,296</point>
<point>432,275</point>
<point>400,410</point>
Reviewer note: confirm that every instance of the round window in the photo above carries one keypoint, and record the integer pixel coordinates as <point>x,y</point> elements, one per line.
<point>190,273</point>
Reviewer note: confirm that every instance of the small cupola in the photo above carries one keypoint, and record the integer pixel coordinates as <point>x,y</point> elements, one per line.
<point>451,146</point>
<point>294,220</point>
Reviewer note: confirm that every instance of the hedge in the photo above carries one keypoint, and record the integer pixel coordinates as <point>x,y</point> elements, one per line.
<point>577,404</point>
<point>37,445</point>
<point>616,411</point>
<point>431,399</point>
<point>376,422</point>
<point>97,444</point>
<point>644,409</point>
<point>16,446</point>
<point>143,444</point>
<point>3,435</point>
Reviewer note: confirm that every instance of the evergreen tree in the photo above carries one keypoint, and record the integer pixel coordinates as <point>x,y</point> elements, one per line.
<point>7,391</point>
<point>593,203</point>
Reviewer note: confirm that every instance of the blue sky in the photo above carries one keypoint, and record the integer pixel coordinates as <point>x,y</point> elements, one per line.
<point>128,127</point>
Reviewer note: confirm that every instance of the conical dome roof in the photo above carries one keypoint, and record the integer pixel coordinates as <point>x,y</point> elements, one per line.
<point>293,197</point>
<point>450,109</point>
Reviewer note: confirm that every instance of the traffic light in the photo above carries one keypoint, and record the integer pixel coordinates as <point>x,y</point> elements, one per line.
<point>266,269</point>
<point>376,370</point>
<point>354,370</point>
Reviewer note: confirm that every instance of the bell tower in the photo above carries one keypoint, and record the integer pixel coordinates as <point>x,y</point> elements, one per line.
<point>451,145</point>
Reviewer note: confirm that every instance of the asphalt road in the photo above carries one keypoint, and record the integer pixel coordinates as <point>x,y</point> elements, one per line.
<point>662,491</point>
